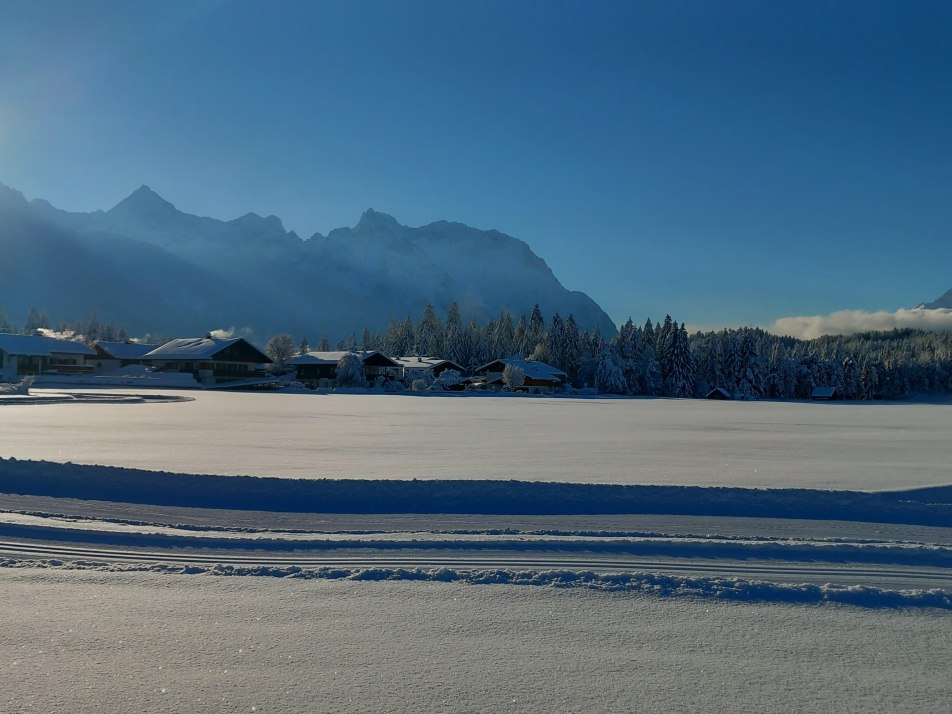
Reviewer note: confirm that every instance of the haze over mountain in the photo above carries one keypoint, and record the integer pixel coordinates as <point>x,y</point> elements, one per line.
<point>149,266</point>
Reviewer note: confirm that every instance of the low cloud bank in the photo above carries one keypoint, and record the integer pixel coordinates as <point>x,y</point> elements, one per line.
<point>849,322</point>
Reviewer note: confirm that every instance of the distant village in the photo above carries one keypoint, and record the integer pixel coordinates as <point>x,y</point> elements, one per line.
<point>235,363</point>
<point>528,355</point>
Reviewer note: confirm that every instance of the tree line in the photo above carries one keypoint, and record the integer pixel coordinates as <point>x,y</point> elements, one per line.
<point>663,359</point>
<point>660,359</point>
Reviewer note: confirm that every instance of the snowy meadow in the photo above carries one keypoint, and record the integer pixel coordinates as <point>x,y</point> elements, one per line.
<point>330,587</point>
<point>852,446</point>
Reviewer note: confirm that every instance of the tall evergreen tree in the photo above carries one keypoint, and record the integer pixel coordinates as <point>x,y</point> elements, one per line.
<point>536,325</point>
<point>571,349</point>
<point>429,333</point>
<point>648,337</point>
<point>598,342</point>
<point>5,324</point>
<point>37,320</point>
<point>750,379</point>
<point>554,342</point>
<point>502,337</point>
<point>452,347</point>
<point>521,339</point>
<point>680,379</point>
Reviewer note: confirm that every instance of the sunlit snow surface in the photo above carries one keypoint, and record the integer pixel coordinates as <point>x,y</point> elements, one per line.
<point>860,446</point>
<point>115,642</point>
<point>82,634</point>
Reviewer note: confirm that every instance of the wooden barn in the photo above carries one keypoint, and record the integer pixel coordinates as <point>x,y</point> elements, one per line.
<point>719,393</point>
<point>825,394</point>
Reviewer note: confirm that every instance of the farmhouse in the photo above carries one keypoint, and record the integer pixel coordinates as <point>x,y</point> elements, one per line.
<point>415,367</point>
<point>211,360</point>
<point>318,370</point>
<point>539,376</point>
<point>22,355</point>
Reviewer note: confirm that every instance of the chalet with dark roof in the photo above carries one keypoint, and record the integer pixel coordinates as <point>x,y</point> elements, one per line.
<point>318,370</point>
<point>539,376</point>
<point>116,355</point>
<point>22,355</point>
<point>415,367</point>
<point>211,360</point>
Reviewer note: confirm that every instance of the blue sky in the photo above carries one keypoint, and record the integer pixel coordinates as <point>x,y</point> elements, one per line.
<point>726,162</point>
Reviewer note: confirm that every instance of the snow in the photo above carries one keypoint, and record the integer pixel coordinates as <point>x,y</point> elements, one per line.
<point>118,642</point>
<point>867,447</point>
<point>41,346</point>
<point>126,350</point>
<point>133,375</point>
<point>533,369</point>
<point>192,348</point>
<point>127,606</point>
<point>330,358</point>
<point>410,362</point>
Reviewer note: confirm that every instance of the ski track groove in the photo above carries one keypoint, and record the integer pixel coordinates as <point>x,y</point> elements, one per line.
<point>31,551</point>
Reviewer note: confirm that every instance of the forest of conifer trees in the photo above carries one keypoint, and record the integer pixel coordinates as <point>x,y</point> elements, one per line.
<point>664,360</point>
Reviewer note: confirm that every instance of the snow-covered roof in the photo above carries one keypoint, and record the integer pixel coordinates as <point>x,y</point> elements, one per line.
<point>192,348</point>
<point>125,350</point>
<point>533,369</point>
<point>40,346</point>
<point>424,362</point>
<point>332,357</point>
<point>823,392</point>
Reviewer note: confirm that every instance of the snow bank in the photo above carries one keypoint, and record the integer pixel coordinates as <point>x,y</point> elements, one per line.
<point>105,483</point>
<point>651,584</point>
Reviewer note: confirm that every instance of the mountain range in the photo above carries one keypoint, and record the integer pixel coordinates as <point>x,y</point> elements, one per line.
<point>148,266</point>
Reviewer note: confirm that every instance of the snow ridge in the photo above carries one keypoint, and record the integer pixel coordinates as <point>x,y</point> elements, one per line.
<point>650,584</point>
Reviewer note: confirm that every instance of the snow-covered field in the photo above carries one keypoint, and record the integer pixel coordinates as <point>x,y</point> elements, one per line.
<point>119,642</point>
<point>856,446</point>
<point>133,602</point>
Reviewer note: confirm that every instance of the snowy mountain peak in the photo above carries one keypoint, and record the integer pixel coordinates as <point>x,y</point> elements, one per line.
<point>943,301</point>
<point>254,220</point>
<point>11,197</point>
<point>144,203</point>
<point>376,222</point>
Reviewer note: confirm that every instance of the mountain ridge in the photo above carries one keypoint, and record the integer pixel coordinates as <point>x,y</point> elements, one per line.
<point>944,301</point>
<point>353,277</point>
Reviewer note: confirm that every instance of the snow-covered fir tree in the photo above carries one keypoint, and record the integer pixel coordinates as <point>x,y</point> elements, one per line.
<point>680,379</point>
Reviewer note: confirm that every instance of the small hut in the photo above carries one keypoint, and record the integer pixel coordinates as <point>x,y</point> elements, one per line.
<point>825,394</point>
<point>719,393</point>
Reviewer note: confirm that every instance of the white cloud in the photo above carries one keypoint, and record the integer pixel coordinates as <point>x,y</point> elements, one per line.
<point>223,334</point>
<point>848,322</point>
